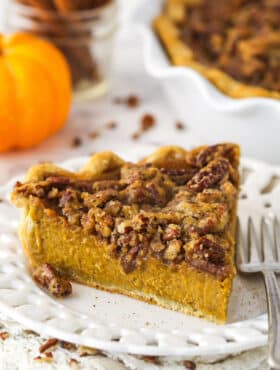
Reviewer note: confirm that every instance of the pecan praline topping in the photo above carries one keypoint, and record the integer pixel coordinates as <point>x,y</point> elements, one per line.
<point>176,211</point>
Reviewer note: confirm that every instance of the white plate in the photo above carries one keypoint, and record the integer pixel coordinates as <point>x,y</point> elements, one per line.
<point>215,117</point>
<point>120,324</point>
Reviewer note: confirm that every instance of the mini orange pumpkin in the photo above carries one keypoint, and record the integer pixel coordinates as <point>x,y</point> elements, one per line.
<point>35,90</point>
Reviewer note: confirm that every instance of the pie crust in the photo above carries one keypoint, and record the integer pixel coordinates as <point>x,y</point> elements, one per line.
<point>167,27</point>
<point>161,230</point>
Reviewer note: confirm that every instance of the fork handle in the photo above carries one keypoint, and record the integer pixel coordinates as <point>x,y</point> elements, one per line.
<point>273,299</point>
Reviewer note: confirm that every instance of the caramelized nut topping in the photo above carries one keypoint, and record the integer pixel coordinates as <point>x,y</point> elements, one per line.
<point>175,211</point>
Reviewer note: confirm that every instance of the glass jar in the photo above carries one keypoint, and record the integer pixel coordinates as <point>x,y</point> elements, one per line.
<point>85,37</point>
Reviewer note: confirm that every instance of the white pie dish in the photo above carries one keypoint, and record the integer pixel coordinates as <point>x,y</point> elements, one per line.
<point>120,324</point>
<point>254,123</point>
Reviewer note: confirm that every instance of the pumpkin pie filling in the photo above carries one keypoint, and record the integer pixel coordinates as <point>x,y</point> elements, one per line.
<point>238,38</point>
<point>160,230</point>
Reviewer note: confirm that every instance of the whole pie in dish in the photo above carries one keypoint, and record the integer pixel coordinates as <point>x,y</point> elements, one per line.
<point>160,230</point>
<point>233,43</point>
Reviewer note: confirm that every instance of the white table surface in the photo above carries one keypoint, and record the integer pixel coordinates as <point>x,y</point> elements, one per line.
<point>19,350</point>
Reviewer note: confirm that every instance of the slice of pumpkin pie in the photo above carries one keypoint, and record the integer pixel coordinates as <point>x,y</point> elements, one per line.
<point>160,230</point>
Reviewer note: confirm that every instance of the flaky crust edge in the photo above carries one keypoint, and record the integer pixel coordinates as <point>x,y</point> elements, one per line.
<point>103,163</point>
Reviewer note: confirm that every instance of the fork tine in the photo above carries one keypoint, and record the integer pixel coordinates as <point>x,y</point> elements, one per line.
<point>242,245</point>
<point>268,240</point>
<point>263,236</point>
<point>255,251</point>
<point>277,237</point>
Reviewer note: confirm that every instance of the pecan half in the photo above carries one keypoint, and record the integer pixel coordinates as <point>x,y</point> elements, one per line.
<point>207,255</point>
<point>206,155</point>
<point>210,176</point>
<point>48,344</point>
<point>47,277</point>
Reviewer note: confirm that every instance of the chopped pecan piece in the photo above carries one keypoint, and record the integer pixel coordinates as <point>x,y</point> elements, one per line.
<point>189,365</point>
<point>48,344</point>
<point>4,335</point>
<point>152,360</point>
<point>46,276</point>
<point>74,364</point>
<point>180,126</point>
<point>104,224</point>
<point>180,175</point>
<point>76,142</point>
<point>124,227</point>
<point>172,250</point>
<point>147,122</point>
<point>128,261</point>
<point>172,231</point>
<point>157,246</point>
<point>67,345</point>
<point>132,101</point>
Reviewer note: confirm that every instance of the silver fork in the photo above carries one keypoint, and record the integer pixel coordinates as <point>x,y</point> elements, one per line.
<point>258,250</point>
